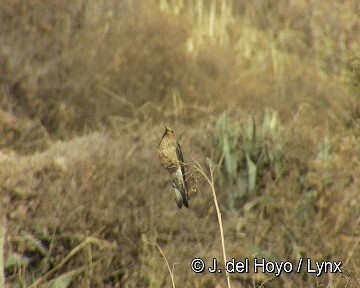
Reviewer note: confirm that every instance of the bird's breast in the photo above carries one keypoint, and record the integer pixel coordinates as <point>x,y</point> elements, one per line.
<point>168,159</point>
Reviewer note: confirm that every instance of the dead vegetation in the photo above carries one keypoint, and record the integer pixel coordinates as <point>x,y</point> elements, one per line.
<point>269,90</point>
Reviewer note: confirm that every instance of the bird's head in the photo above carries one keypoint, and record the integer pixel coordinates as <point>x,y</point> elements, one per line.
<point>168,129</point>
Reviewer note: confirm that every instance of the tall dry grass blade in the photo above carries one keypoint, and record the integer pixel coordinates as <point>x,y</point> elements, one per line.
<point>212,18</point>
<point>171,271</point>
<point>120,99</point>
<point>76,250</point>
<point>2,242</point>
<point>210,180</point>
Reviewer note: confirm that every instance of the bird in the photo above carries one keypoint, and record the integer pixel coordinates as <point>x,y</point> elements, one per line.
<point>171,159</point>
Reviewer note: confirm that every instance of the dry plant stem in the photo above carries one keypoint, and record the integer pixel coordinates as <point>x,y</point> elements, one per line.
<point>2,242</point>
<point>120,99</point>
<point>211,183</point>
<point>84,244</point>
<point>167,264</point>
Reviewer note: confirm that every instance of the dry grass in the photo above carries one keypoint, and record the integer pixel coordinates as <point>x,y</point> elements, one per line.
<point>267,89</point>
<point>211,182</point>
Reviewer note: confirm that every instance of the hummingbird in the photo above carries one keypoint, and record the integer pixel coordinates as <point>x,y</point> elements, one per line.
<point>171,159</point>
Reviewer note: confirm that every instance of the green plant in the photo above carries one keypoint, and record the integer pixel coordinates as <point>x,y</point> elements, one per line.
<point>248,152</point>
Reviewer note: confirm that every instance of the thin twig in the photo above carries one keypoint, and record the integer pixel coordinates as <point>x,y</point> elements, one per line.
<point>211,184</point>
<point>88,241</point>
<point>2,243</point>
<point>120,99</point>
<point>167,264</point>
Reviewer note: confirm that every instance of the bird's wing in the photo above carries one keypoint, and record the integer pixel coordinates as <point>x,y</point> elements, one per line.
<point>181,159</point>
<point>179,153</point>
<point>162,138</point>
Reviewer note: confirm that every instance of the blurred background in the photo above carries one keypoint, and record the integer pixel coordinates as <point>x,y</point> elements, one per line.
<point>268,89</point>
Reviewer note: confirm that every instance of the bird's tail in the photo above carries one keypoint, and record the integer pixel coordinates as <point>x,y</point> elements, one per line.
<point>181,195</point>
